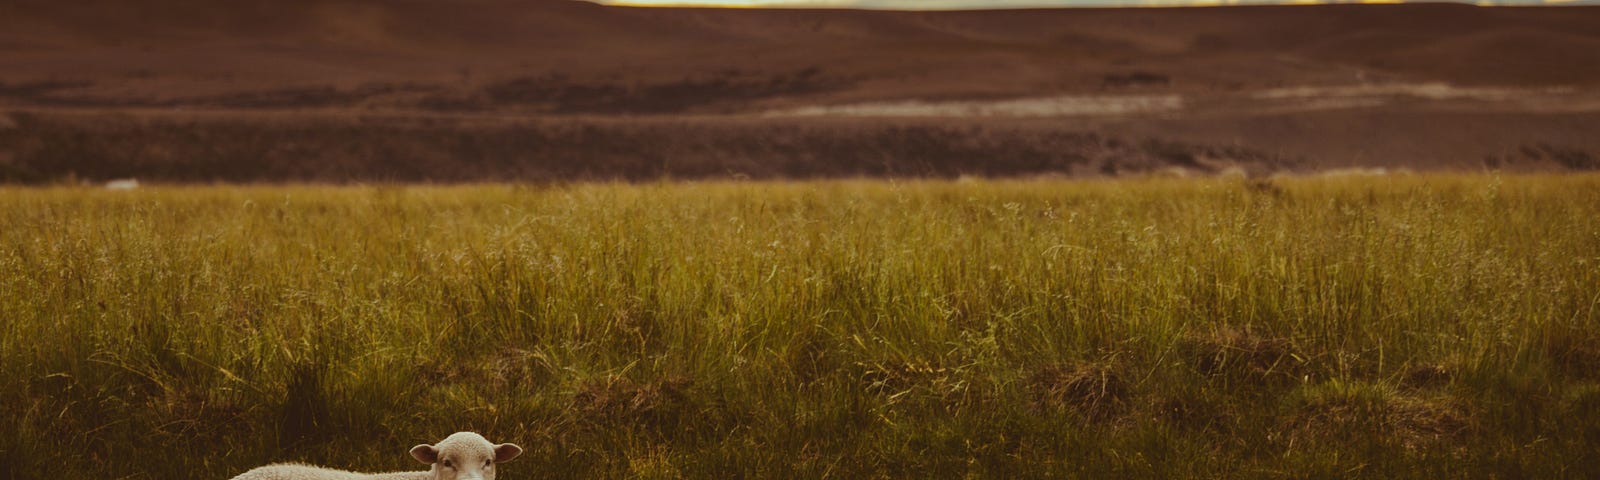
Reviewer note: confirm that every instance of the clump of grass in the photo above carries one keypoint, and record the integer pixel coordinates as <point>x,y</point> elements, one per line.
<point>620,400</point>
<point>1375,411</point>
<point>1096,391</point>
<point>1574,351</point>
<point>1244,355</point>
<point>1431,375</point>
<point>1397,327</point>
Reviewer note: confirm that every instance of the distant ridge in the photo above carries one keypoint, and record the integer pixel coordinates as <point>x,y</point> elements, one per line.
<point>576,57</point>
<point>978,5</point>
<point>471,90</point>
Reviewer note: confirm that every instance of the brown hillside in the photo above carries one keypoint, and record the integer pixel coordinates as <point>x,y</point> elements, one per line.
<point>111,51</point>
<point>321,89</point>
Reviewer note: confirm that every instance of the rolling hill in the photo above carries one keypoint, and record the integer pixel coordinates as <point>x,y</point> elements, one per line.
<point>1391,76</point>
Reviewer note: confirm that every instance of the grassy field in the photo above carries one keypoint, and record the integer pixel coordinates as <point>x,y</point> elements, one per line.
<point>1395,327</point>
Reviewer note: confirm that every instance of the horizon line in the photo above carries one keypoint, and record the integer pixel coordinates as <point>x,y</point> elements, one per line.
<point>978,5</point>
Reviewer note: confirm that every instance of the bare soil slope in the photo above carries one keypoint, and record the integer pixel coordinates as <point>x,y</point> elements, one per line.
<point>519,59</point>
<point>534,51</point>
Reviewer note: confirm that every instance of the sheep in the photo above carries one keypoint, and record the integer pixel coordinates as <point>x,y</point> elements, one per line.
<point>461,456</point>
<point>123,184</point>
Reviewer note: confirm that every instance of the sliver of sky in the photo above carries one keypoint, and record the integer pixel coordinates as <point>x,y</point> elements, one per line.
<point>985,4</point>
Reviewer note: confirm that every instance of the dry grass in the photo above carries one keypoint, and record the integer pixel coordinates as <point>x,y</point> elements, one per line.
<point>1393,327</point>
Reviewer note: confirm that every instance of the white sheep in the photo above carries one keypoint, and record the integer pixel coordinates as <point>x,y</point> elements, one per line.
<point>461,456</point>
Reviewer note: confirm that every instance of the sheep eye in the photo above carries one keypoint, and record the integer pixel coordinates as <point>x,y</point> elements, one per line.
<point>488,463</point>
<point>447,464</point>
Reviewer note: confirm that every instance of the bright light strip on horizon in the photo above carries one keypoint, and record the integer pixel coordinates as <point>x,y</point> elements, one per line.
<point>911,5</point>
<point>1000,4</point>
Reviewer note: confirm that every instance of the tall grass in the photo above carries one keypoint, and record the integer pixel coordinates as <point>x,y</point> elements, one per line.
<point>1398,327</point>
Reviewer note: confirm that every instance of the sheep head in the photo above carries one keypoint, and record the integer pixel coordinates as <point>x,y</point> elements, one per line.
<point>464,456</point>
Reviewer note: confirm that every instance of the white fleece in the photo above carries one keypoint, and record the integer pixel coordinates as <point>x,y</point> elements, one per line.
<point>461,456</point>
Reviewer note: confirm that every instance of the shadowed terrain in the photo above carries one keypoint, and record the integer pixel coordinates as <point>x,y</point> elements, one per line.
<point>1400,86</point>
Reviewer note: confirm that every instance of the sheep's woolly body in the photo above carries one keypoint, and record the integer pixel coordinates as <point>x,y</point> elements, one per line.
<point>461,456</point>
<point>292,471</point>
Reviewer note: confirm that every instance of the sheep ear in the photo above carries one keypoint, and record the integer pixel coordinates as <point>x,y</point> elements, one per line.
<point>505,452</point>
<point>425,453</point>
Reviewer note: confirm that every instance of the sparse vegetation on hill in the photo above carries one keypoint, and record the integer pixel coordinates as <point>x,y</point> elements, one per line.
<point>54,148</point>
<point>578,56</point>
<point>59,148</point>
<point>1389,327</point>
